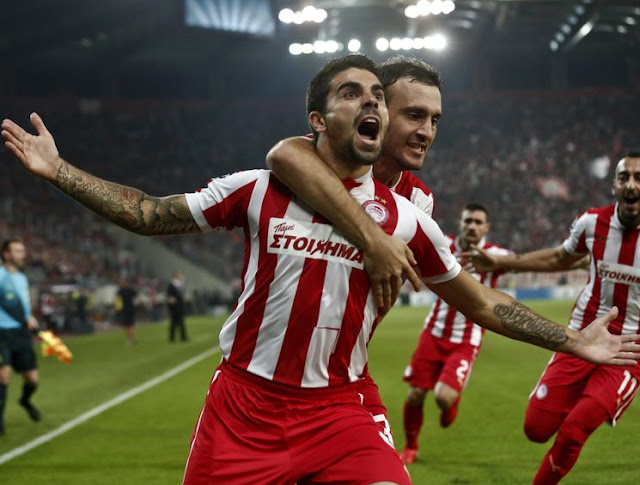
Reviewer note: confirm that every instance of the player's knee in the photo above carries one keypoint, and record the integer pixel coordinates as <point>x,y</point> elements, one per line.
<point>575,432</point>
<point>445,396</point>
<point>536,433</point>
<point>416,396</point>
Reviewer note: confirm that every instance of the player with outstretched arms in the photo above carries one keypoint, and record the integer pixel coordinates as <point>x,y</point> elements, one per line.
<point>573,397</point>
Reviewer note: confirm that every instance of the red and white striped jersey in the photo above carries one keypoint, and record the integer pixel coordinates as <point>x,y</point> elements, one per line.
<point>614,277</point>
<point>411,187</point>
<point>306,313</point>
<point>445,321</point>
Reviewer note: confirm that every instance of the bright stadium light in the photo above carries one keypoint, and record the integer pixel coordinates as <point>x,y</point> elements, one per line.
<point>295,49</point>
<point>553,45</point>
<point>334,46</point>
<point>448,7</point>
<point>437,7</point>
<point>622,29</point>
<point>286,16</point>
<point>439,42</point>
<point>417,43</point>
<point>354,45</point>
<point>559,36</point>
<point>395,44</point>
<point>424,7</point>
<point>307,48</point>
<point>411,12</point>
<point>319,47</point>
<point>630,20</point>
<point>382,44</point>
<point>406,44</point>
<point>307,14</point>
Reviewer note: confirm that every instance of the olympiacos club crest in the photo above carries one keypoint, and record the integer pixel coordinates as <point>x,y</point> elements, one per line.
<point>378,212</point>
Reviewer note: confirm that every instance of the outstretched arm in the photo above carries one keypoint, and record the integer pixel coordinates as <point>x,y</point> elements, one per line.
<point>295,162</point>
<point>502,314</point>
<point>128,207</point>
<point>549,259</point>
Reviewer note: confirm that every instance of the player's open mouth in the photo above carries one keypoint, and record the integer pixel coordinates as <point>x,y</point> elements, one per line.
<point>369,128</point>
<point>631,199</point>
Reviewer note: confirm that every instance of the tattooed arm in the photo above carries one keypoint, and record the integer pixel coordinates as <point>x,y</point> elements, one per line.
<point>502,314</point>
<point>128,207</point>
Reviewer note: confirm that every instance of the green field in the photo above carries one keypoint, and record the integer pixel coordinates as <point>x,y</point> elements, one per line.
<point>145,439</point>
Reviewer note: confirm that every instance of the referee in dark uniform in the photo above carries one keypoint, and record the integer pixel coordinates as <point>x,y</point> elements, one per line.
<point>16,322</point>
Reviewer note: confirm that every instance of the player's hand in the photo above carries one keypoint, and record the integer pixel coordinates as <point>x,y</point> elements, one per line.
<point>386,262</point>
<point>32,323</point>
<point>38,153</point>
<point>598,346</point>
<point>477,260</point>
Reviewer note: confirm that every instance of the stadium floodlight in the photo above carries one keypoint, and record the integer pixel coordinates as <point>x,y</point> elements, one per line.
<point>307,48</point>
<point>439,42</point>
<point>395,44</point>
<point>307,14</point>
<point>622,29</point>
<point>636,10</point>
<point>354,45</point>
<point>406,44</point>
<point>417,43</point>
<point>320,15</point>
<point>411,12</point>
<point>295,49</point>
<point>332,46</point>
<point>437,7</point>
<point>423,7</point>
<point>630,20</point>
<point>565,28</point>
<point>285,16</point>
<point>553,45</point>
<point>382,44</point>
<point>559,36</point>
<point>572,19</point>
<point>319,47</point>
<point>448,7</point>
<point>580,9</point>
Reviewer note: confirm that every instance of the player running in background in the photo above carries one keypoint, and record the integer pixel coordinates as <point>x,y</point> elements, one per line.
<point>297,340</point>
<point>449,342</point>
<point>573,397</point>
<point>16,323</point>
<point>412,91</point>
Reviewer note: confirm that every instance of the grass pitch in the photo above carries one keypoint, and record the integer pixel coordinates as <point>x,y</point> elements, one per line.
<point>146,439</point>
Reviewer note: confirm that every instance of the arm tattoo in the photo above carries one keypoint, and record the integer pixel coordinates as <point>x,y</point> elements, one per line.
<point>128,207</point>
<point>530,326</point>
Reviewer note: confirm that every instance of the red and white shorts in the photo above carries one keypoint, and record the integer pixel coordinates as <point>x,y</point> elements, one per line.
<point>567,378</point>
<point>439,360</point>
<point>253,431</point>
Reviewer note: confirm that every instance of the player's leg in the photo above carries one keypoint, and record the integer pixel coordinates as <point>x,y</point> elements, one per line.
<point>172,326</point>
<point>452,380</point>
<point>24,361</point>
<point>560,387</point>
<point>447,399</point>
<point>413,419</point>
<point>587,415</point>
<point>5,375</point>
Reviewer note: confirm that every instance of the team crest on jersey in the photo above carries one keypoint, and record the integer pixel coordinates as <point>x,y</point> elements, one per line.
<point>619,273</point>
<point>378,212</point>
<point>309,240</point>
<point>541,392</point>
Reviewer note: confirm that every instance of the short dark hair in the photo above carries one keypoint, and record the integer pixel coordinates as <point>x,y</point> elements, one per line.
<point>475,206</point>
<point>6,244</point>
<point>633,154</point>
<point>318,89</point>
<point>415,69</point>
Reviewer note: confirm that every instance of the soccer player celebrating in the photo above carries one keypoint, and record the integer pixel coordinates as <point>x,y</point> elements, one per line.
<point>412,92</point>
<point>283,406</point>
<point>449,342</point>
<point>573,397</point>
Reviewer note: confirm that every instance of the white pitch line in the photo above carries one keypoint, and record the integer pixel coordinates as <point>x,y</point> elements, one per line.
<point>21,450</point>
